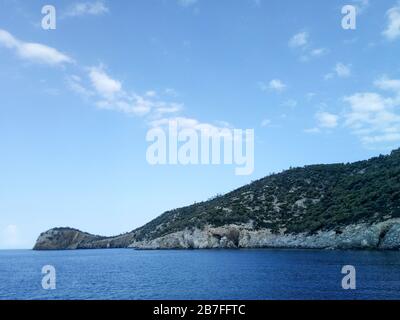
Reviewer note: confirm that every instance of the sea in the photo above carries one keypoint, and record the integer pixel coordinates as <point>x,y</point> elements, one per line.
<point>127,274</point>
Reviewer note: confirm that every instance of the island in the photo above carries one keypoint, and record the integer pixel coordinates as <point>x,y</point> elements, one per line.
<point>333,206</point>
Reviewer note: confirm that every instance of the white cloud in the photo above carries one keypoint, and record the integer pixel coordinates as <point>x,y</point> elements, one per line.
<point>275,85</point>
<point>104,84</point>
<point>302,40</point>
<point>340,70</point>
<point>385,83</point>
<point>343,70</point>
<point>8,40</point>
<point>108,93</point>
<point>313,53</point>
<point>318,52</point>
<point>387,137</point>
<point>373,117</point>
<point>94,8</point>
<point>34,52</point>
<point>168,108</point>
<point>366,102</point>
<point>327,120</point>
<point>299,40</point>
<point>208,129</point>
<point>105,91</point>
<point>392,31</point>
<point>74,82</point>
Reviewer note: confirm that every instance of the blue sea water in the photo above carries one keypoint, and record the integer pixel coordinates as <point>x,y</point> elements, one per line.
<point>208,274</point>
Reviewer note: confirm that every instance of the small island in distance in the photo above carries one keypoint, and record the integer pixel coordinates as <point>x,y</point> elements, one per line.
<point>335,206</point>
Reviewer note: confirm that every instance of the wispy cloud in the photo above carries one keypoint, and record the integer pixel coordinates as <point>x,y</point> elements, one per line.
<point>327,120</point>
<point>104,91</point>
<point>318,52</point>
<point>33,52</point>
<point>105,86</point>
<point>182,123</point>
<point>385,83</point>
<point>266,123</point>
<point>392,31</point>
<point>108,93</point>
<point>93,8</point>
<point>313,54</point>
<point>340,70</point>
<point>75,83</point>
<point>274,85</point>
<point>299,40</point>
<point>95,83</point>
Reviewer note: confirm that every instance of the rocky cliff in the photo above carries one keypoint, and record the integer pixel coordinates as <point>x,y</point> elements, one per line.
<point>385,235</point>
<point>70,239</point>
<point>339,206</point>
<point>381,236</point>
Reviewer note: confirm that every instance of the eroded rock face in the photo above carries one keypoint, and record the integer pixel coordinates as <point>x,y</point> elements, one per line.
<point>391,239</point>
<point>208,238</point>
<point>63,239</point>
<point>385,235</point>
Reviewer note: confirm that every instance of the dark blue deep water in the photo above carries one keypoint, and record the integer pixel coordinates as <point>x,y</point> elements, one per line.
<point>209,274</point>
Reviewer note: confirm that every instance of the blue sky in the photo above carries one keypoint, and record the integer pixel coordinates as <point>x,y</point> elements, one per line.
<point>76,102</point>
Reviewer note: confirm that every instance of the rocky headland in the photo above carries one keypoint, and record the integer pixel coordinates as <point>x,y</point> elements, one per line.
<point>337,206</point>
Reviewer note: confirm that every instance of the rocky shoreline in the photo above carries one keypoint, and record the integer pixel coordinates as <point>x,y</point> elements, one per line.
<point>379,236</point>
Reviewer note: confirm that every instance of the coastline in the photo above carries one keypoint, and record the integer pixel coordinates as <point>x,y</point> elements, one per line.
<point>380,236</point>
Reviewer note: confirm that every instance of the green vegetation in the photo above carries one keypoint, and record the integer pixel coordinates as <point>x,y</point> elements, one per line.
<point>305,199</point>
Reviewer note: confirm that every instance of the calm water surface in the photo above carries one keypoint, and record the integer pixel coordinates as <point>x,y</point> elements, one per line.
<point>208,274</point>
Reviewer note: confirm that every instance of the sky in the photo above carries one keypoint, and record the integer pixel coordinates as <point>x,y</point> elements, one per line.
<point>77,101</point>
